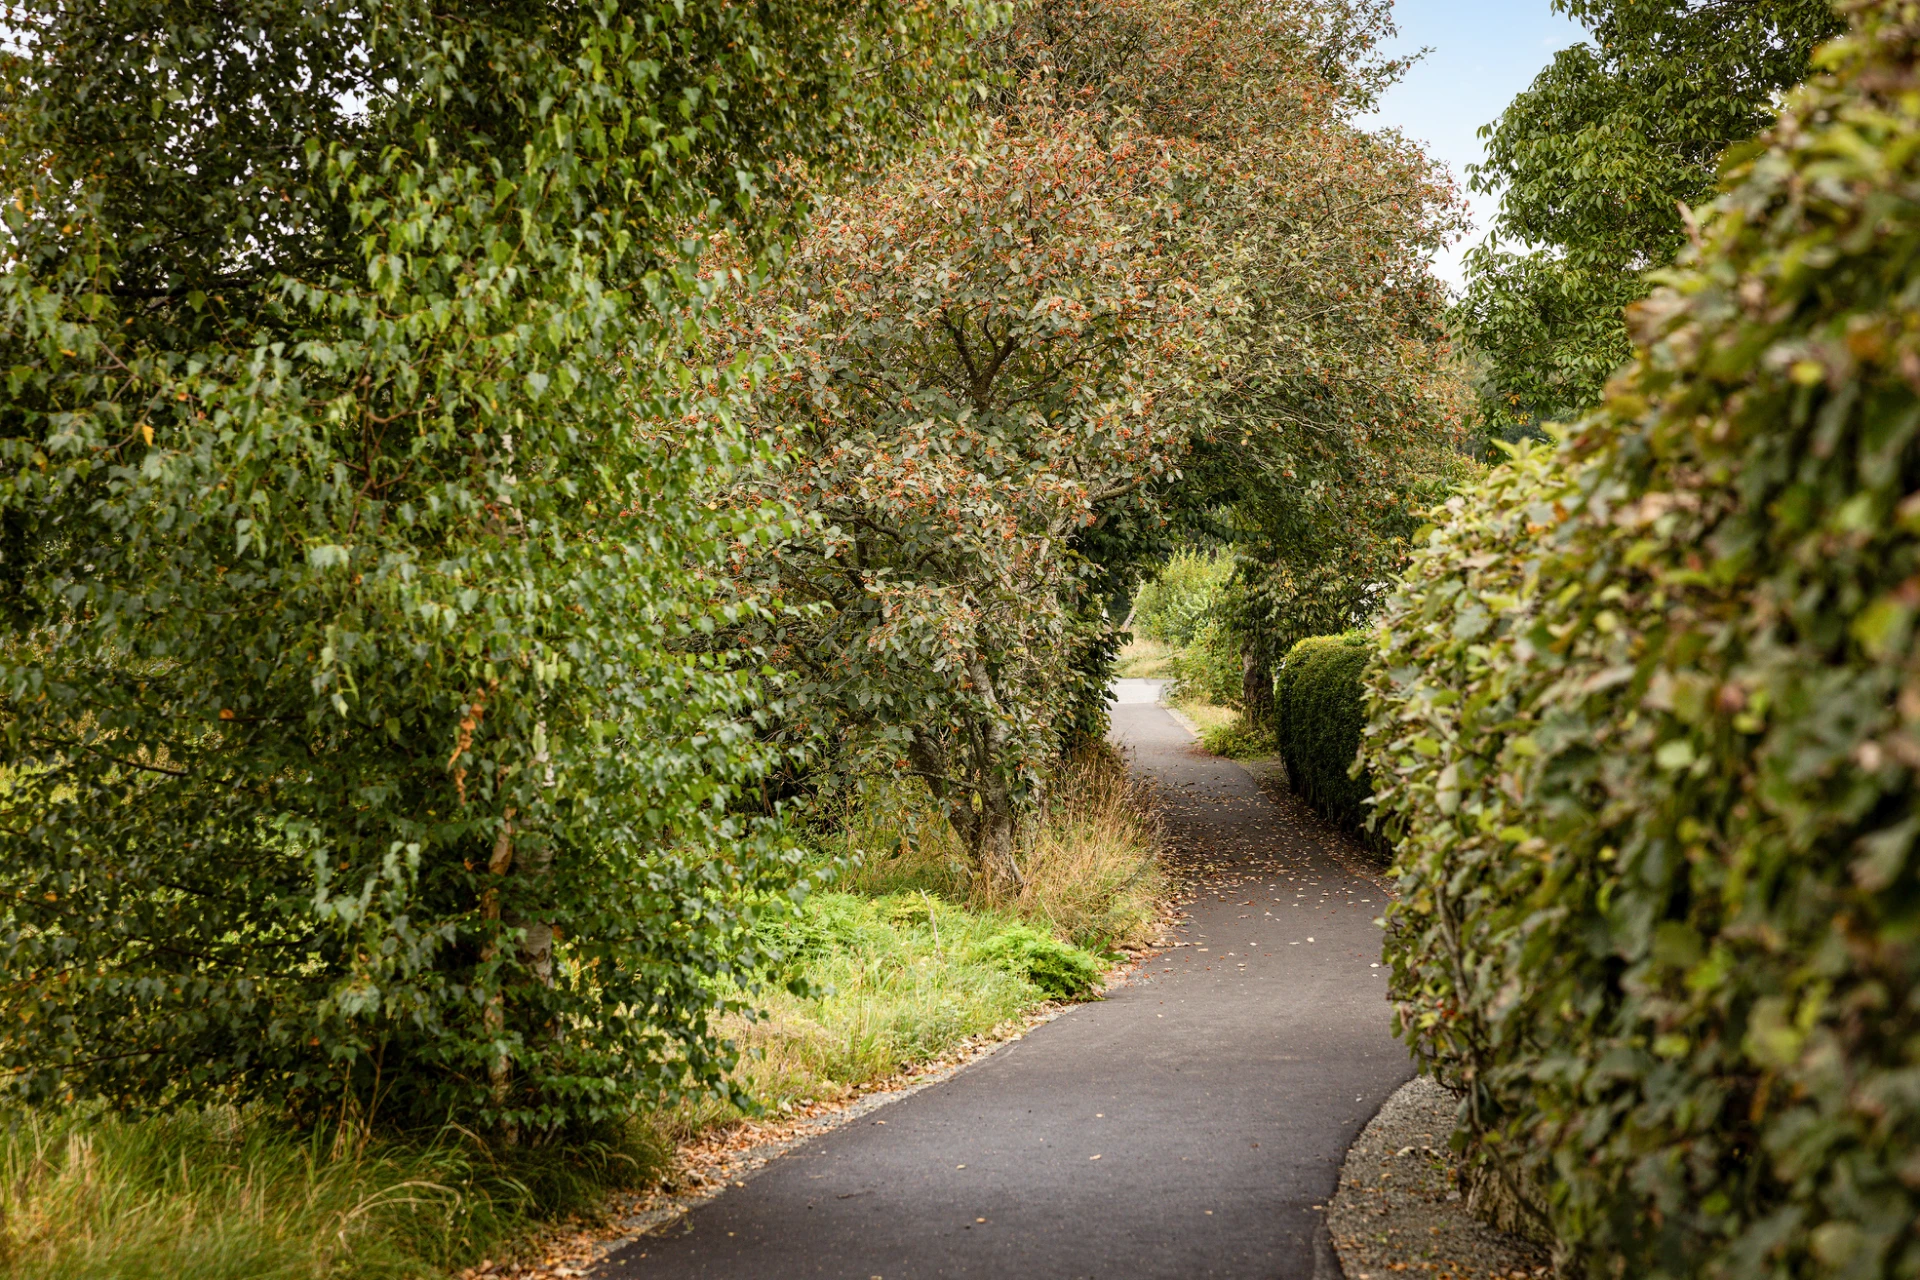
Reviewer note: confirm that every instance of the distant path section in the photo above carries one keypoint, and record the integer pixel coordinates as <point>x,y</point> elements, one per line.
<point>1191,1124</point>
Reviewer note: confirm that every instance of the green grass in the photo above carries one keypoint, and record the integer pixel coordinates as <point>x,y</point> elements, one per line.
<point>220,1195</point>
<point>896,980</point>
<point>1224,731</point>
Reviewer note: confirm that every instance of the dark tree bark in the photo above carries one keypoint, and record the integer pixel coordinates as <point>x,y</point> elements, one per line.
<point>1256,684</point>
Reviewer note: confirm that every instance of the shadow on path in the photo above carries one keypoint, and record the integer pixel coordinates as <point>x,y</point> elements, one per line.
<point>1191,1124</point>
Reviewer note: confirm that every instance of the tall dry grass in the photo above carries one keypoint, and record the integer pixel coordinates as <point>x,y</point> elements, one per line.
<point>219,1194</point>
<point>1145,659</point>
<point>1088,870</point>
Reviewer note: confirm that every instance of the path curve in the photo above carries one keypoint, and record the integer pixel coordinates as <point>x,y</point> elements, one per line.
<point>1191,1124</point>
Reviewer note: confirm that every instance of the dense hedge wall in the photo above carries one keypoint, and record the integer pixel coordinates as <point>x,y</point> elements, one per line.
<point>1649,711</point>
<point>1319,710</point>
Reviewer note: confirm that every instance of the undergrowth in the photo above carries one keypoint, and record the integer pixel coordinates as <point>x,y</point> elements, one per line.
<point>218,1194</point>
<point>1088,869</point>
<point>908,953</point>
<point>901,958</point>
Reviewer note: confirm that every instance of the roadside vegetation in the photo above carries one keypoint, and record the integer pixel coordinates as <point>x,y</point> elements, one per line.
<point>224,1193</point>
<point>560,568</point>
<point>898,957</point>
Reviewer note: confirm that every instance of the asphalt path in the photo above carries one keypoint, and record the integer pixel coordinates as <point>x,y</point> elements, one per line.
<point>1191,1124</point>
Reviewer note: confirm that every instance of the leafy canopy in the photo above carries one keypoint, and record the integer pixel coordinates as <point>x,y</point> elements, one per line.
<point>1592,163</point>
<point>983,352</point>
<point>1338,405</point>
<point>1001,357</point>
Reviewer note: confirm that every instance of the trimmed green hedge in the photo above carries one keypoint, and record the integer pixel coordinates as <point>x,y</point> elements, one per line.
<point>1319,707</point>
<point>1648,711</point>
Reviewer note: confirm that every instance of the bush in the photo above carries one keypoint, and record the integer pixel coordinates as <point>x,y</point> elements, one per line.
<point>1208,668</point>
<point>1184,595</point>
<point>1319,706</point>
<point>1649,711</point>
<point>357,760</point>
<point>1238,740</point>
<point>1058,968</point>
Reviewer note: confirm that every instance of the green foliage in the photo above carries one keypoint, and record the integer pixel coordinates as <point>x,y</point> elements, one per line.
<point>949,422</point>
<point>1208,668</point>
<point>1237,739</point>
<point>1591,164</point>
<point>1648,711</point>
<point>1058,968</point>
<point>226,1194</point>
<point>356,753</point>
<point>1088,868</point>
<point>1182,596</point>
<point>1190,603</point>
<point>889,982</point>
<point>1319,703</point>
<point>995,380</point>
<point>795,940</point>
<point>1338,405</point>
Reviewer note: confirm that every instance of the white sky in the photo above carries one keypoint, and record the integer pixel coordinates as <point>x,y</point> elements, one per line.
<point>1483,52</point>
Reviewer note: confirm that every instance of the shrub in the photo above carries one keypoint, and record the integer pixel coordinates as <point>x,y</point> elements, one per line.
<point>1060,969</point>
<point>356,756</point>
<point>1319,703</point>
<point>1183,596</point>
<point>1208,668</point>
<point>1649,711</point>
<point>1237,739</point>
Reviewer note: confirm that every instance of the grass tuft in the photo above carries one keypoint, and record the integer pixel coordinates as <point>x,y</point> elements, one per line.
<point>1143,659</point>
<point>1088,869</point>
<point>221,1195</point>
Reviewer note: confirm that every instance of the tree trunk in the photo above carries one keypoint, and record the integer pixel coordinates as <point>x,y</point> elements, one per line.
<point>535,861</point>
<point>993,853</point>
<point>494,1018</point>
<point>1256,684</point>
<point>929,756</point>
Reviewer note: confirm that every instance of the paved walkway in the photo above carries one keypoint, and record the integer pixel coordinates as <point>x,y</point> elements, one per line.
<point>1192,1124</point>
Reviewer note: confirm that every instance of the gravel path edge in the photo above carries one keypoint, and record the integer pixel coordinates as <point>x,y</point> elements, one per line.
<point>1400,1208</point>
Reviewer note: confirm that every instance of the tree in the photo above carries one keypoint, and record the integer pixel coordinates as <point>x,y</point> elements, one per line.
<point>1002,356</point>
<point>983,353</point>
<point>1338,407</point>
<point>354,759</point>
<point>1593,163</point>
